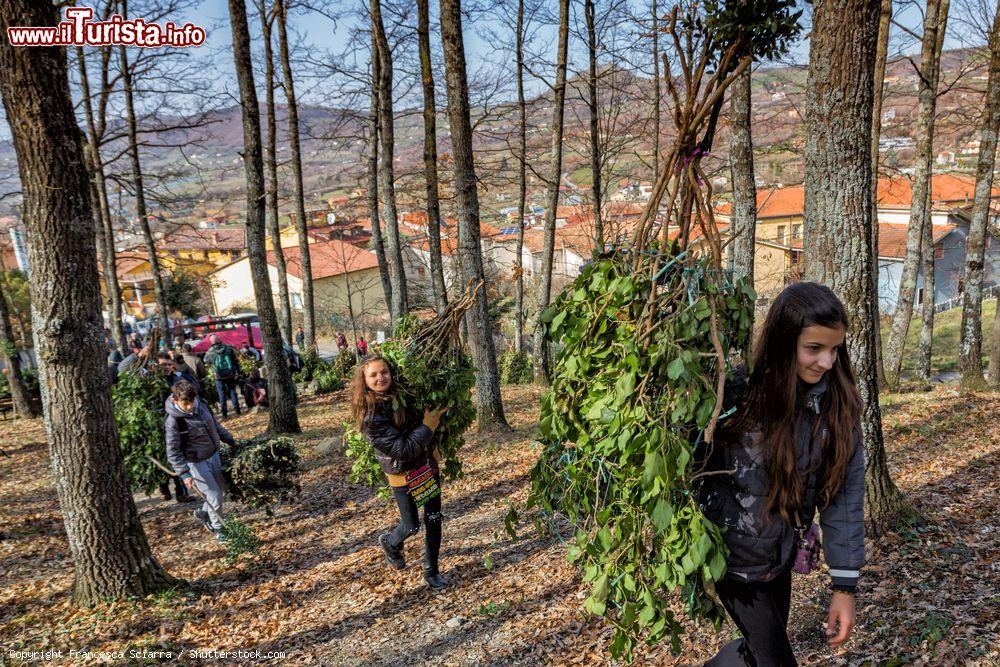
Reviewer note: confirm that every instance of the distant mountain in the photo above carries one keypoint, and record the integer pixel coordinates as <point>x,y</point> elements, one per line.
<point>207,175</point>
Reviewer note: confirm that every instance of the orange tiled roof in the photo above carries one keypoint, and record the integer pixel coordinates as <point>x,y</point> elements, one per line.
<point>328,258</point>
<point>893,192</point>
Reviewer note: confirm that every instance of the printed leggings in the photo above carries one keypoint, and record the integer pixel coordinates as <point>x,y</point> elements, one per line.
<point>409,524</point>
<point>760,611</point>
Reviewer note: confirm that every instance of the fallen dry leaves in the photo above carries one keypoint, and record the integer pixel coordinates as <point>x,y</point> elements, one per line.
<point>321,593</point>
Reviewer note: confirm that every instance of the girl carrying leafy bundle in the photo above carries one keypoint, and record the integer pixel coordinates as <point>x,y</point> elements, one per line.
<point>793,446</point>
<point>405,447</point>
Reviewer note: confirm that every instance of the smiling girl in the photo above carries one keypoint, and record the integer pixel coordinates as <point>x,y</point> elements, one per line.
<point>403,443</point>
<point>792,447</point>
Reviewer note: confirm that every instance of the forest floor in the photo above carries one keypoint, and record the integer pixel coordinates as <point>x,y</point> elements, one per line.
<point>319,590</point>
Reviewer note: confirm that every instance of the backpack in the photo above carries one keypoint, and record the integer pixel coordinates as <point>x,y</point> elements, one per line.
<point>223,365</point>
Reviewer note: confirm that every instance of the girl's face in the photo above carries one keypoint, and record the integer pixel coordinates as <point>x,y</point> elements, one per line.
<point>816,351</point>
<point>378,377</point>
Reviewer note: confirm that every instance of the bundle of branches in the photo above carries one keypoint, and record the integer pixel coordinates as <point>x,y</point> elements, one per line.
<point>647,331</point>
<point>430,370</point>
<point>261,471</point>
<point>138,404</point>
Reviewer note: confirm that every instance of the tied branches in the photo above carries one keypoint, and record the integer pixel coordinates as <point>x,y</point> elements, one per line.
<point>646,333</point>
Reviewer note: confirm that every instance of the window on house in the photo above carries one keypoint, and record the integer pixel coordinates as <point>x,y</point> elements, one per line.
<point>296,300</point>
<point>780,235</point>
<point>920,296</point>
<point>204,254</point>
<point>796,232</point>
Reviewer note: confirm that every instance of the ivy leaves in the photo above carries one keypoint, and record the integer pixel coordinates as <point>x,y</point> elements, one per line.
<point>634,386</point>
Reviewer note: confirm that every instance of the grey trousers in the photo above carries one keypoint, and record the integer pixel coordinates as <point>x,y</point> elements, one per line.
<point>208,478</point>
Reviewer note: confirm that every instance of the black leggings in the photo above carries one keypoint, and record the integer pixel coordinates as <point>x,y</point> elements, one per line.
<point>760,610</point>
<point>409,524</point>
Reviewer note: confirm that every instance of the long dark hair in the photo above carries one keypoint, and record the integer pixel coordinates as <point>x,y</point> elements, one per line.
<point>364,400</point>
<point>771,400</point>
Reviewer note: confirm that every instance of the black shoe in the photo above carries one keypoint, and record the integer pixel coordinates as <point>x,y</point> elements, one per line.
<point>392,554</point>
<point>202,516</point>
<point>165,491</point>
<point>185,498</point>
<point>435,580</point>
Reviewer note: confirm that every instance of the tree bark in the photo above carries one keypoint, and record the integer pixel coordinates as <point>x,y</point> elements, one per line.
<point>140,194</point>
<point>399,305</point>
<point>301,224</point>
<point>542,355</point>
<point>430,157</point>
<point>23,405</point>
<point>744,221</point>
<point>995,350</point>
<point>522,181</point>
<point>282,417</point>
<point>881,56</point>
<point>919,214</point>
<point>838,209</point>
<point>271,161</point>
<point>924,349</point>
<point>378,244</point>
<point>595,147</point>
<point>971,345</point>
<point>103,230</point>
<point>111,556</point>
<point>489,408</point>
<point>656,92</point>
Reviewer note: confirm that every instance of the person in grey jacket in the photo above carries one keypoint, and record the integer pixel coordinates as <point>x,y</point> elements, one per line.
<point>193,435</point>
<point>793,447</point>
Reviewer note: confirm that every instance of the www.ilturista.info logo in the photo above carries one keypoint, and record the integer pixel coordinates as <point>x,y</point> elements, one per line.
<point>78,29</point>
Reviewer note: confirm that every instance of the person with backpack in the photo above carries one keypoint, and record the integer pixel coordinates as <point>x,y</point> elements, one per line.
<point>225,365</point>
<point>192,436</point>
<point>792,448</point>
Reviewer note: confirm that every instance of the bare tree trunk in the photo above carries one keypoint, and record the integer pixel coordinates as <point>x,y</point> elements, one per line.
<point>23,406</point>
<point>595,147</point>
<point>377,243</point>
<point>111,557</point>
<point>430,157</point>
<point>140,194</point>
<point>995,350</point>
<point>542,355</point>
<point>522,181</point>
<point>923,361</point>
<point>744,221</point>
<point>489,408</point>
<point>271,161</point>
<point>282,417</point>
<point>104,231</point>
<point>656,92</point>
<point>881,56</point>
<point>301,224</point>
<point>838,209</point>
<point>394,252</point>
<point>919,215</point>
<point>971,345</point>
<point>922,365</point>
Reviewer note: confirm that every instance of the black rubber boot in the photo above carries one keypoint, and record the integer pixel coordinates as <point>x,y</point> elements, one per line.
<point>431,574</point>
<point>392,554</point>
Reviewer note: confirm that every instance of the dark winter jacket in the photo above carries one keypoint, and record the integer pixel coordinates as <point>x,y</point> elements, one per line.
<point>192,436</point>
<point>762,547</point>
<point>399,450</point>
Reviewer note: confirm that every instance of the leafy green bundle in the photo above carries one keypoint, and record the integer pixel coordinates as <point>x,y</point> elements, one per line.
<point>634,395</point>
<point>138,404</point>
<point>261,470</point>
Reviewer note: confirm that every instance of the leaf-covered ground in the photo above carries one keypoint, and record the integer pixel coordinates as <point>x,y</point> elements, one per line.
<point>320,592</point>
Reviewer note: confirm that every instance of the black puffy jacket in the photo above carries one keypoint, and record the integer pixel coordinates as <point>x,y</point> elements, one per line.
<point>761,547</point>
<point>399,449</point>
